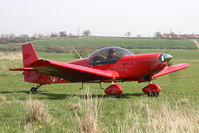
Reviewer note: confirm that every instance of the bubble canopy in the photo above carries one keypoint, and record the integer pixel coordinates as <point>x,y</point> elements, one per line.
<point>107,55</point>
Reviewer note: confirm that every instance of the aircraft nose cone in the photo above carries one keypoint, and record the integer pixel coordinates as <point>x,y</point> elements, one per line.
<point>167,57</point>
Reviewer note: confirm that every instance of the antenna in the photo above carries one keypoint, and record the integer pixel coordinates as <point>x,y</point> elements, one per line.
<point>77,52</point>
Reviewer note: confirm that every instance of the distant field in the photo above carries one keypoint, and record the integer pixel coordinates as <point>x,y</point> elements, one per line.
<point>89,44</point>
<point>124,42</point>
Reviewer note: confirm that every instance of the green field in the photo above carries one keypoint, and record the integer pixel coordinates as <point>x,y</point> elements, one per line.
<point>64,45</point>
<point>65,108</point>
<point>124,42</point>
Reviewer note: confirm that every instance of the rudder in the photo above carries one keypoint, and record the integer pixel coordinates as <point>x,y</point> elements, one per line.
<point>29,54</point>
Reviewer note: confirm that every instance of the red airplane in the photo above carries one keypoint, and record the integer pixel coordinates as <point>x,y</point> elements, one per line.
<point>109,64</point>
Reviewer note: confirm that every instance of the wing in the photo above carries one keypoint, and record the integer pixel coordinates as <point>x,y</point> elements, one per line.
<point>71,72</point>
<point>170,69</point>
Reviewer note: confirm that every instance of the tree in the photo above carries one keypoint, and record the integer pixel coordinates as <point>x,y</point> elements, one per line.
<point>40,36</point>
<point>157,34</point>
<point>35,36</point>
<point>86,33</point>
<point>23,38</point>
<point>128,34</point>
<point>11,36</point>
<point>62,34</point>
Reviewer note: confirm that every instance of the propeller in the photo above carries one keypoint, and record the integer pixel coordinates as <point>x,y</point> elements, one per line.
<point>166,57</point>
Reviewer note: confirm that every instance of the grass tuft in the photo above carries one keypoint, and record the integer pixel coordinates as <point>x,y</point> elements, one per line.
<point>87,113</point>
<point>36,111</point>
<point>3,99</point>
<point>74,107</point>
<point>165,119</point>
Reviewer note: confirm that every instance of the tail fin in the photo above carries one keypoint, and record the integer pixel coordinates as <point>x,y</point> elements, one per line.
<point>30,74</point>
<point>29,54</point>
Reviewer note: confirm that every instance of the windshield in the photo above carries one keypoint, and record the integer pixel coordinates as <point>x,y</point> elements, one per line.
<point>107,55</point>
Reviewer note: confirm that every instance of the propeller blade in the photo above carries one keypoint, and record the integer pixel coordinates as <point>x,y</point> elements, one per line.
<point>169,63</point>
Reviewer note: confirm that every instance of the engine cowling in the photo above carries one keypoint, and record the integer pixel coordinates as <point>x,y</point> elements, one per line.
<point>151,88</point>
<point>113,89</point>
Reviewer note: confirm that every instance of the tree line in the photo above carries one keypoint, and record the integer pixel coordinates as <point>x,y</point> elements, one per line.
<point>12,38</point>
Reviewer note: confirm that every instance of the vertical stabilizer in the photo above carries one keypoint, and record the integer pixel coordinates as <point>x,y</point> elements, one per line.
<point>29,54</point>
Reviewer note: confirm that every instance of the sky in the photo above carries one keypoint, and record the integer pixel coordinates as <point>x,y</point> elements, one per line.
<point>101,17</point>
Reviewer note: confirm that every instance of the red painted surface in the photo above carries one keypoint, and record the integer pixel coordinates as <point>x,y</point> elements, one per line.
<point>29,54</point>
<point>151,88</point>
<point>113,89</point>
<point>129,67</point>
<point>41,78</point>
<point>22,69</point>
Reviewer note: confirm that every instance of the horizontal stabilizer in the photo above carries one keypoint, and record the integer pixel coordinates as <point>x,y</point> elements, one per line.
<point>22,69</point>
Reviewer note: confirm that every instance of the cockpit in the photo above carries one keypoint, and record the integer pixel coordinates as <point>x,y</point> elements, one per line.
<point>107,55</point>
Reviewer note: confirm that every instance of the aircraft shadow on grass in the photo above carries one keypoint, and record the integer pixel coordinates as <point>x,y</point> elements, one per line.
<point>55,96</point>
<point>64,96</point>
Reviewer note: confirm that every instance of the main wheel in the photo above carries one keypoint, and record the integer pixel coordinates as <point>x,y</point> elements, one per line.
<point>33,90</point>
<point>156,94</point>
<point>116,95</point>
<point>153,94</point>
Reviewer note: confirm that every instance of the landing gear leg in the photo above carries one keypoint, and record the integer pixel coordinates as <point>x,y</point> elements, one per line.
<point>34,89</point>
<point>82,86</point>
<point>113,83</point>
<point>100,85</point>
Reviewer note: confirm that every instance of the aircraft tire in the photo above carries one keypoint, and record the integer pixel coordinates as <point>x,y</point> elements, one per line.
<point>116,95</point>
<point>33,90</point>
<point>153,94</point>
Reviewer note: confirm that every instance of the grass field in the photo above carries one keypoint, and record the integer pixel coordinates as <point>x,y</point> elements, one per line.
<point>125,42</point>
<point>65,108</point>
<point>64,45</point>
